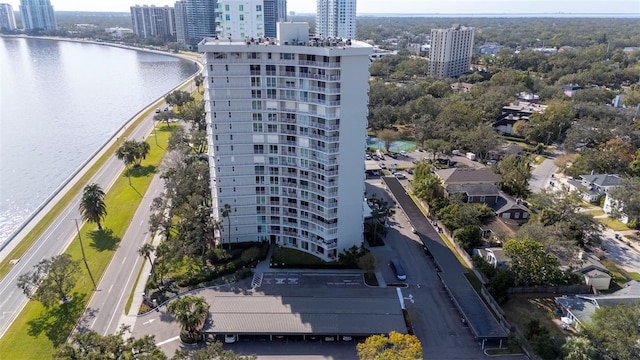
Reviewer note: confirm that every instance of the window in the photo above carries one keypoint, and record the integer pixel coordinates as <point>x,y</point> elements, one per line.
<point>257,117</point>
<point>241,7</point>
<point>226,7</point>
<point>227,16</point>
<point>258,7</point>
<point>241,17</point>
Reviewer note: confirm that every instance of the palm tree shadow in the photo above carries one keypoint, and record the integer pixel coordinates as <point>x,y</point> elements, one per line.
<point>58,321</point>
<point>104,239</point>
<point>142,171</point>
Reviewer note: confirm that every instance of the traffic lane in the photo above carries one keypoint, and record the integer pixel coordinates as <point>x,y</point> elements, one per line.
<point>541,175</point>
<point>121,282</point>
<point>49,244</point>
<point>436,320</point>
<point>621,254</point>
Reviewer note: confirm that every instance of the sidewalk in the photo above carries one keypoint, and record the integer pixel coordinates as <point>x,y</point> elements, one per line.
<point>130,318</point>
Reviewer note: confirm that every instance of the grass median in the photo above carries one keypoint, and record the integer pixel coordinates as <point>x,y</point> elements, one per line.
<point>37,331</point>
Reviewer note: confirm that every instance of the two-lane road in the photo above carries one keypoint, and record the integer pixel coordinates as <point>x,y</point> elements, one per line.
<point>55,239</point>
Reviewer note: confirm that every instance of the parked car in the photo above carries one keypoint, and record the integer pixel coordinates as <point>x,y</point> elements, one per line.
<point>383,166</point>
<point>400,176</point>
<point>617,236</point>
<point>398,270</point>
<point>229,338</point>
<point>410,171</point>
<point>404,153</point>
<point>158,111</point>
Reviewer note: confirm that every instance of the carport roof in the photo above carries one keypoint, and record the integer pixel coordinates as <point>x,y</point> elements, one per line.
<point>266,314</point>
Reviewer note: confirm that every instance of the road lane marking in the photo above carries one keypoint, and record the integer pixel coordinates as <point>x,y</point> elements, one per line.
<point>123,260</point>
<point>148,322</point>
<point>110,287</point>
<point>168,340</point>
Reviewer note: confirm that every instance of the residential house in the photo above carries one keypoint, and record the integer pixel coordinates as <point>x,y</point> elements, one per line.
<point>514,112</point>
<point>570,89</point>
<point>578,310</point>
<point>461,86</point>
<point>595,274</point>
<point>480,186</point>
<point>594,186</point>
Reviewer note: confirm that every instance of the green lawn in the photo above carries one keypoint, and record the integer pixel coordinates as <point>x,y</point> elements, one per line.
<point>521,309</point>
<point>618,276</point>
<point>613,224</point>
<point>295,257</point>
<point>37,331</point>
<point>596,212</point>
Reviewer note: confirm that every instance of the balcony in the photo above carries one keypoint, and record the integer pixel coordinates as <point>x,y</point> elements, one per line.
<point>332,65</point>
<point>320,77</point>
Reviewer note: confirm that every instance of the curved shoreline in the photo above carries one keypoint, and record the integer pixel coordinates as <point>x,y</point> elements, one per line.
<point>37,215</point>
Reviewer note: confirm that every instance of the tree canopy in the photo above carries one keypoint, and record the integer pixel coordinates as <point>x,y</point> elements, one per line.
<point>395,346</point>
<point>51,280</point>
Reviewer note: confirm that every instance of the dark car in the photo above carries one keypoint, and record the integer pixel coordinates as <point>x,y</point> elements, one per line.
<point>398,270</point>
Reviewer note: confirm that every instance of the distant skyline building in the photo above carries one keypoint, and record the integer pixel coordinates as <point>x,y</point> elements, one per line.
<point>274,11</point>
<point>249,18</point>
<point>195,20</point>
<point>451,50</point>
<point>151,21</point>
<point>37,15</point>
<point>238,19</point>
<point>7,18</point>
<point>286,128</point>
<point>336,18</point>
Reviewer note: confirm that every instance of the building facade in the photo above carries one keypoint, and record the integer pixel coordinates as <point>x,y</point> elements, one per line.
<point>7,18</point>
<point>336,18</point>
<point>286,126</point>
<point>195,20</point>
<point>238,19</point>
<point>451,51</point>
<point>37,15</point>
<point>151,21</point>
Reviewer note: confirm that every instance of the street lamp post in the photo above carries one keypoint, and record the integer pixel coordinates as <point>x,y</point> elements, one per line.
<point>84,257</point>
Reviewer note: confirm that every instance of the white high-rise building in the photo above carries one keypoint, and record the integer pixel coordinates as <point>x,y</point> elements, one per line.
<point>240,18</point>
<point>336,18</point>
<point>7,18</point>
<point>150,21</point>
<point>451,51</point>
<point>286,124</point>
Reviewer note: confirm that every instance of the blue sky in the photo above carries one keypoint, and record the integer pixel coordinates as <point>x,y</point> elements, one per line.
<point>399,6</point>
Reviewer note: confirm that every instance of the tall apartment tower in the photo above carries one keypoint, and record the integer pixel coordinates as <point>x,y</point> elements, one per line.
<point>150,21</point>
<point>7,18</point>
<point>240,18</point>
<point>195,20</point>
<point>336,18</point>
<point>275,11</point>
<point>451,51</point>
<point>249,18</point>
<point>286,127</point>
<point>37,15</point>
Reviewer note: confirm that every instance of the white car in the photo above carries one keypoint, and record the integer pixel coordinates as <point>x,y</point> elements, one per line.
<point>403,153</point>
<point>229,339</point>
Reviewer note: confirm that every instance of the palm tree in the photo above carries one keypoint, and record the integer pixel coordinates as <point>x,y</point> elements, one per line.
<point>226,213</point>
<point>191,312</point>
<point>146,250</point>
<point>92,206</point>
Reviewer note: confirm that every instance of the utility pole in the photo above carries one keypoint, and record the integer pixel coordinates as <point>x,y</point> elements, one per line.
<point>84,257</point>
